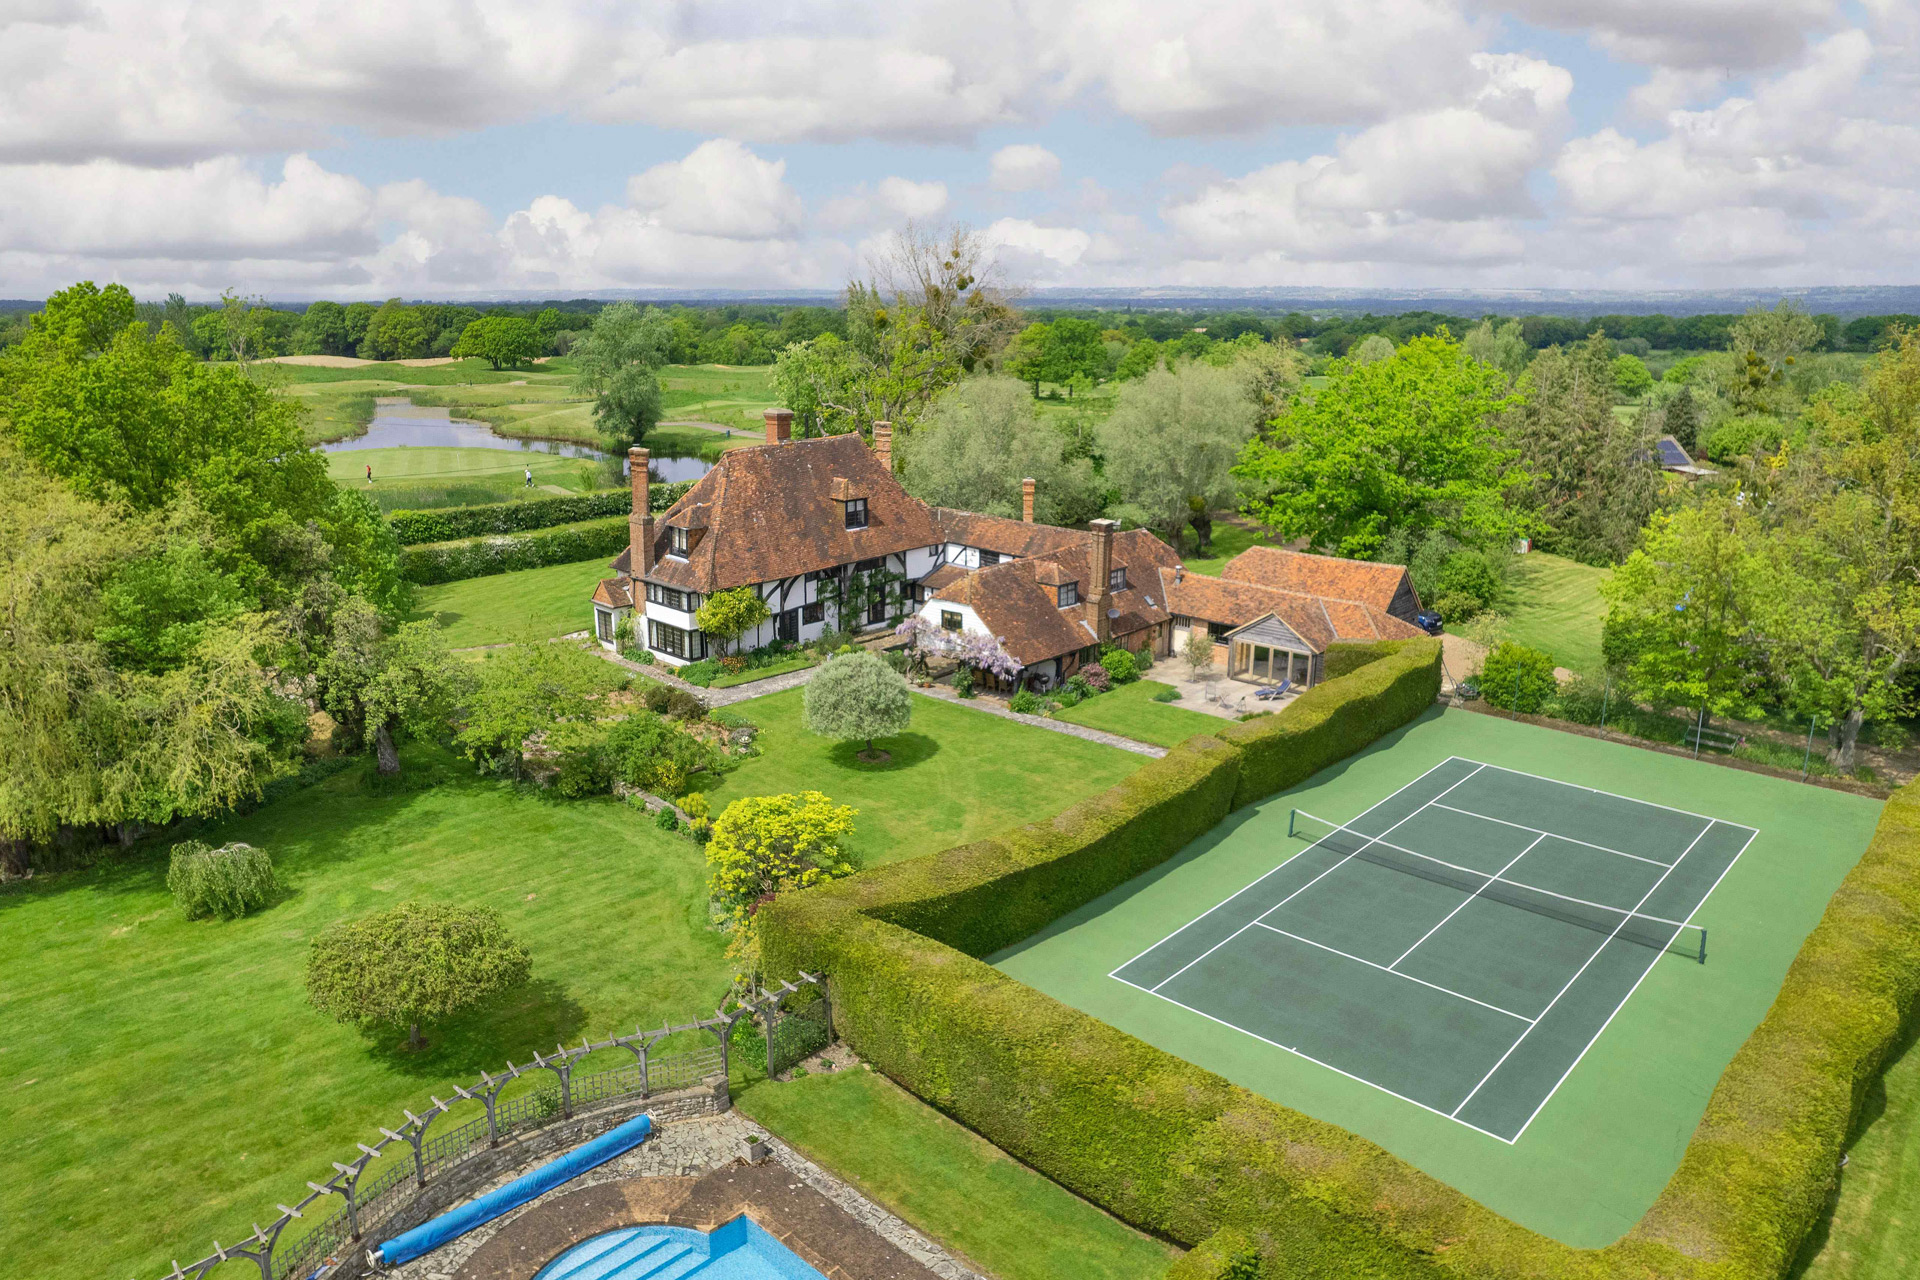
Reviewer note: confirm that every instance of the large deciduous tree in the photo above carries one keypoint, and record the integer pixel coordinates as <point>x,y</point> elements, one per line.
<point>857,697</point>
<point>1171,444</point>
<point>1403,443</point>
<point>980,440</point>
<point>417,963</point>
<point>499,340</point>
<point>618,363</point>
<point>523,689</point>
<point>383,682</point>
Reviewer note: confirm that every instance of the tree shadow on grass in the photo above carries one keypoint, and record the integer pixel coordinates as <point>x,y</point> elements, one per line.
<point>537,1017</point>
<point>903,752</point>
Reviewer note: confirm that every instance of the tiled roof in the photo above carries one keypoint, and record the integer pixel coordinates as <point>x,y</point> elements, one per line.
<point>614,593</point>
<point>945,575</point>
<point>770,512</point>
<point>998,533</point>
<point>1326,576</point>
<point>1318,620</point>
<point>1018,600</point>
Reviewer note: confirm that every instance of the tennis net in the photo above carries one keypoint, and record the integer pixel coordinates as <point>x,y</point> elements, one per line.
<point>1677,936</point>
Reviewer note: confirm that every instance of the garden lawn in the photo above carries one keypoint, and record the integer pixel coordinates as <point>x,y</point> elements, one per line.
<point>166,1081</point>
<point>1130,711</point>
<point>1229,540</point>
<point>1873,1230</point>
<point>500,473</point>
<point>528,604</point>
<point>956,775</point>
<point>1557,608</point>
<point>949,1182</point>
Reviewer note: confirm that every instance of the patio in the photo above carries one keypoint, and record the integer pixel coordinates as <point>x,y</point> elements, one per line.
<point>1213,693</point>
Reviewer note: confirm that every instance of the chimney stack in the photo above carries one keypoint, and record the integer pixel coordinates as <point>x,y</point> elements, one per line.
<point>640,523</point>
<point>1100,562</point>
<point>779,426</point>
<point>883,444</point>
<point>1026,500</point>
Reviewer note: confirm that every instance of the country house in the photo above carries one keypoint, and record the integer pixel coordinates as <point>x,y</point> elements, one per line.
<point>828,538</point>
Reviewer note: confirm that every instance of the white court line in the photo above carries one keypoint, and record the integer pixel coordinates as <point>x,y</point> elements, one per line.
<point>1469,898</point>
<point>1583,968</point>
<point>1276,871</point>
<point>1752,834</point>
<point>1287,1048</point>
<point>1518,826</point>
<point>1371,841</point>
<point>1445,991</point>
<point>1614,795</point>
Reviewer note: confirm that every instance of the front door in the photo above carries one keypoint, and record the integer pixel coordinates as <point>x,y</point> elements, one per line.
<point>786,626</point>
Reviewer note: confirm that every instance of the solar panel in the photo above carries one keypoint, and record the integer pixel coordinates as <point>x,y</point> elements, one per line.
<point>1671,454</point>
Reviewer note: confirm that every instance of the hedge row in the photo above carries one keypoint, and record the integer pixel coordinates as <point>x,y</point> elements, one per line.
<point>438,562</point>
<point>1183,1153</point>
<point>1227,1254</point>
<point>412,527</point>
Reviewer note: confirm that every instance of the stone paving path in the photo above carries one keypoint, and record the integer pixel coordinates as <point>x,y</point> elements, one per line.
<point>944,694</point>
<point>688,1148</point>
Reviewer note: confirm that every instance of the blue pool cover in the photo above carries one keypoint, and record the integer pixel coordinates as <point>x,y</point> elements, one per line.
<point>739,1250</point>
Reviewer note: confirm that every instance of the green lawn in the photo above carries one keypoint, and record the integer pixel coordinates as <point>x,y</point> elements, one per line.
<point>798,662</point>
<point>1229,540</point>
<point>1558,608</point>
<point>425,475</point>
<point>1873,1232</point>
<point>949,1182</point>
<point>167,1083</point>
<point>1131,712</point>
<point>433,375</point>
<point>529,604</point>
<point>956,775</point>
<point>727,394</point>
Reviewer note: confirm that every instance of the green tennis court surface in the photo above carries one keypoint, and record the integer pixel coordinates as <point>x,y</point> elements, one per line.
<point>1459,945</point>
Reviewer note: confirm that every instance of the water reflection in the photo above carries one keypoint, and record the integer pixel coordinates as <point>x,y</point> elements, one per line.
<point>399,424</point>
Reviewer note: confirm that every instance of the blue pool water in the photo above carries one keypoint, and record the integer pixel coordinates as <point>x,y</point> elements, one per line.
<point>739,1250</point>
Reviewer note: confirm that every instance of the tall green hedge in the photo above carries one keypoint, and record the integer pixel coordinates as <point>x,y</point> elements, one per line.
<point>477,557</point>
<point>1181,1152</point>
<point>412,527</point>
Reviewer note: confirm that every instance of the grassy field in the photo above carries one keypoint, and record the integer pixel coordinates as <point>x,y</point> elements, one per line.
<point>167,1082</point>
<point>457,373</point>
<point>1873,1231</point>
<point>950,1183</point>
<point>1229,540</point>
<point>1131,712</point>
<point>1557,608</point>
<point>729,395</point>
<point>956,775</point>
<point>528,604</point>
<point>429,476</point>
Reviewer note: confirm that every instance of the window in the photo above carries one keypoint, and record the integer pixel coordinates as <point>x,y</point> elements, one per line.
<point>668,596</point>
<point>989,558</point>
<point>662,638</point>
<point>857,514</point>
<point>949,619</point>
<point>1218,630</point>
<point>603,624</point>
<point>868,566</point>
<point>815,612</point>
<point>1117,579</point>
<point>1069,594</point>
<point>877,611</point>
<point>676,542</point>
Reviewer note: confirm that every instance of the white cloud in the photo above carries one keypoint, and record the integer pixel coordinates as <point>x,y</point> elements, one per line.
<point>721,189</point>
<point>1024,166</point>
<point>912,199</point>
<point>1694,34</point>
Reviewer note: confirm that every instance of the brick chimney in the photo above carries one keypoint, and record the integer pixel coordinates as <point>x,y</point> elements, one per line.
<point>779,426</point>
<point>640,523</point>
<point>1026,500</point>
<point>883,444</point>
<point>1100,562</point>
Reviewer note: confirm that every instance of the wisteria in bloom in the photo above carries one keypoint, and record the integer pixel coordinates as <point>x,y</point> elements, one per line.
<point>975,649</point>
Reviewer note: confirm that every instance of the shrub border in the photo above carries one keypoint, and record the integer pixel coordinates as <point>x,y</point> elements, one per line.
<point>448,524</point>
<point>433,563</point>
<point>1183,1153</point>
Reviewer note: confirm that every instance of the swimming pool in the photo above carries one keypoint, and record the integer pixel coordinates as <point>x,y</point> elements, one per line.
<point>738,1250</point>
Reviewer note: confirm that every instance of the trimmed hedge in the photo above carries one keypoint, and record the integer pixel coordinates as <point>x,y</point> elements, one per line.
<point>1181,1152</point>
<point>438,562</point>
<point>414,527</point>
<point>1227,1254</point>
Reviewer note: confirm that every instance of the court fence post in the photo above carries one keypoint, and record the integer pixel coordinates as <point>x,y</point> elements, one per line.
<point>1699,730</point>
<point>1606,696</point>
<point>1806,761</point>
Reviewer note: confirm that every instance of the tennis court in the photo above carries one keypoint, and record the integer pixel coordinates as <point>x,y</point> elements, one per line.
<point>1459,945</point>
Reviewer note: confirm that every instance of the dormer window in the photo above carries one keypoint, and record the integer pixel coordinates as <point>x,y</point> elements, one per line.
<point>1069,594</point>
<point>856,513</point>
<point>677,542</point>
<point>1117,579</point>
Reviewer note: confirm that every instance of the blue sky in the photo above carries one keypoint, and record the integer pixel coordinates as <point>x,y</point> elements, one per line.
<point>457,147</point>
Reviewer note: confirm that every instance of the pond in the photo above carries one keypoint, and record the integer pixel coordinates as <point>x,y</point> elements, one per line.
<point>398,423</point>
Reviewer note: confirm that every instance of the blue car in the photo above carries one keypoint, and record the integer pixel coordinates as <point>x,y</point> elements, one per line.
<point>1428,621</point>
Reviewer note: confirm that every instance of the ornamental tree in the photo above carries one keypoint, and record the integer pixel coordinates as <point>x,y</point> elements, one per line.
<point>419,962</point>
<point>729,614</point>
<point>764,845</point>
<point>856,697</point>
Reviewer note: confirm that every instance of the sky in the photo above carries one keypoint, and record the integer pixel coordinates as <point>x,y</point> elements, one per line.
<point>449,148</point>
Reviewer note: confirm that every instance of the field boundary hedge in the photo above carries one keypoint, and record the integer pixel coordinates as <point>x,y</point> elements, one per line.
<point>436,562</point>
<point>1181,1152</point>
<point>451,523</point>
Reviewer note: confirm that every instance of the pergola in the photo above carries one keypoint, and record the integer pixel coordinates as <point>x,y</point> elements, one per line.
<point>1267,651</point>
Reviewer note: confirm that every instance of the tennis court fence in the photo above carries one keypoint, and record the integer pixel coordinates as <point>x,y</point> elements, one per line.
<point>1678,936</point>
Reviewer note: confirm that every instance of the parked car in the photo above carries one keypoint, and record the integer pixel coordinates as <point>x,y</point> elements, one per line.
<point>1429,621</point>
